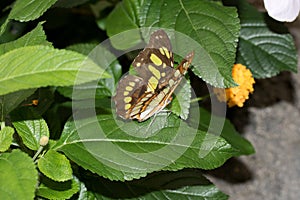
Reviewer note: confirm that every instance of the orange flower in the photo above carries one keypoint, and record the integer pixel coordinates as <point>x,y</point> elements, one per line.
<point>237,95</point>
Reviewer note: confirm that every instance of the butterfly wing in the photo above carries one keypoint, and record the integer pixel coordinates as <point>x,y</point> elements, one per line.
<point>140,97</point>
<point>130,89</point>
<point>155,62</point>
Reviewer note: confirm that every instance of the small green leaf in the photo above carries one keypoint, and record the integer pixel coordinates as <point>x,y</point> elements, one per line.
<point>35,37</point>
<point>123,151</point>
<point>57,190</point>
<point>30,127</point>
<point>27,10</point>
<point>181,102</point>
<point>37,66</point>
<point>55,166</point>
<point>85,194</point>
<point>262,50</point>
<point>6,137</point>
<point>18,176</point>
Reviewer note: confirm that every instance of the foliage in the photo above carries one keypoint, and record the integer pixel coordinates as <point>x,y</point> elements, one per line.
<point>49,54</point>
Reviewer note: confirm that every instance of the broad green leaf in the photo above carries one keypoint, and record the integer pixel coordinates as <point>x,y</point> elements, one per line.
<point>27,10</point>
<point>38,66</point>
<point>123,18</point>
<point>57,190</point>
<point>102,88</point>
<point>30,127</point>
<point>10,101</point>
<point>184,184</point>
<point>187,192</point>
<point>181,103</point>
<point>214,29</point>
<point>6,137</point>
<point>261,49</point>
<point>213,37</point>
<point>18,176</point>
<point>121,150</point>
<point>35,37</point>
<point>55,166</point>
<point>228,131</point>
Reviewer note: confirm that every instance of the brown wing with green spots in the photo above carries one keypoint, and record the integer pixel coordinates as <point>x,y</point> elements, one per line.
<point>155,62</point>
<point>140,97</point>
<point>129,90</point>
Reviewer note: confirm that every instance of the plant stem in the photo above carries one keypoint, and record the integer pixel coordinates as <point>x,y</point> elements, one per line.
<point>37,153</point>
<point>2,125</point>
<point>199,99</point>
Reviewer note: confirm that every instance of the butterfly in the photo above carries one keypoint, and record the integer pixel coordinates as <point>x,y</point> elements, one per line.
<point>142,96</point>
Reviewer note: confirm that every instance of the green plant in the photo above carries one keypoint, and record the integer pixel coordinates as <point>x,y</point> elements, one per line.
<point>32,68</point>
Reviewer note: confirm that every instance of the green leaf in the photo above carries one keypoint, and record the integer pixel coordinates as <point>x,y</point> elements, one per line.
<point>10,101</point>
<point>30,127</point>
<point>35,37</point>
<point>189,192</point>
<point>262,50</point>
<point>181,102</point>
<point>27,10</point>
<point>55,166</point>
<point>101,10</point>
<point>6,137</point>
<point>184,184</point>
<point>85,194</point>
<point>228,132</point>
<point>213,37</point>
<point>13,31</point>
<point>37,66</point>
<point>19,176</point>
<point>83,48</point>
<point>124,18</point>
<point>121,150</point>
<point>57,190</point>
<point>214,29</point>
<point>102,88</point>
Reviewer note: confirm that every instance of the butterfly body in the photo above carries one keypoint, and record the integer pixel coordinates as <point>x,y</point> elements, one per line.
<point>140,97</point>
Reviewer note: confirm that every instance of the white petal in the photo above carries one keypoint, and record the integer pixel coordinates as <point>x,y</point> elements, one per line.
<point>283,10</point>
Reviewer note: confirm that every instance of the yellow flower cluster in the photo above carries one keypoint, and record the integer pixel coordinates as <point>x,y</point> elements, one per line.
<point>237,95</point>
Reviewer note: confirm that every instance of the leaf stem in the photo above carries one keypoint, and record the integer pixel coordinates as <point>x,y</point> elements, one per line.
<point>2,125</point>
<point>38,153</point>
<point>199,98</point>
